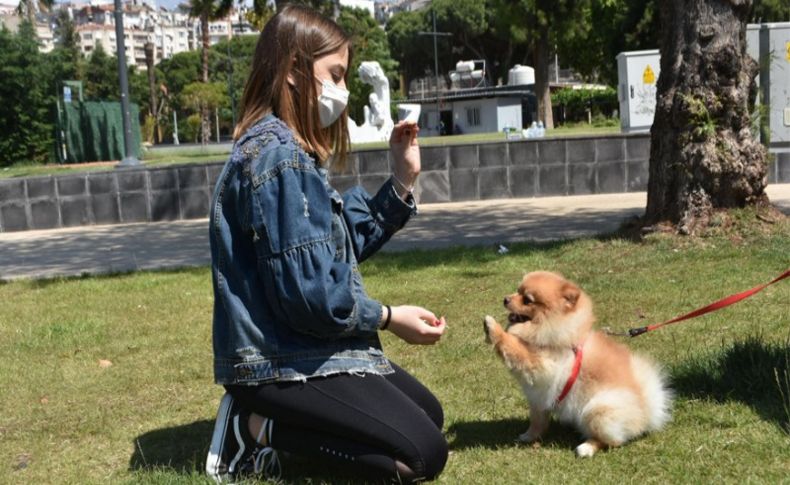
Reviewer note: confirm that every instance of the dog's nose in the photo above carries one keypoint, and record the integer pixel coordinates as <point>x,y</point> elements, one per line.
<point>507,301</point>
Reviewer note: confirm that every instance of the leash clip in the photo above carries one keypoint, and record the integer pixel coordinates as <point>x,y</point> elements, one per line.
<point>609,331</point>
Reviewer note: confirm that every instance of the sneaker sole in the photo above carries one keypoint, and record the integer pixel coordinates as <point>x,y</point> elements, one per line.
<point>218,437</point>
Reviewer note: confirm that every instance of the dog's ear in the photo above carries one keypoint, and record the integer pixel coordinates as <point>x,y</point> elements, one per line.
<point>570,293</point>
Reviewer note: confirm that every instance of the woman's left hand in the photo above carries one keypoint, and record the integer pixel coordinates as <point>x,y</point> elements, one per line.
<point>405,152</point>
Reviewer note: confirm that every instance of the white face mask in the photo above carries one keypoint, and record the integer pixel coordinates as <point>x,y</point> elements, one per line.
<point>331,102</point>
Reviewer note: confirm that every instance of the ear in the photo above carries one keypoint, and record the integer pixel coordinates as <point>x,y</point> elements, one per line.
<point>570,293</point>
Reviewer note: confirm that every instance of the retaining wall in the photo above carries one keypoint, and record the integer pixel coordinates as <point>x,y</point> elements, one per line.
<point>522,168</point>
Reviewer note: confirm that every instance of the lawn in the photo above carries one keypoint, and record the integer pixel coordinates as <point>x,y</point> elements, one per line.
<point>167,155</point>
<point>109,379</point>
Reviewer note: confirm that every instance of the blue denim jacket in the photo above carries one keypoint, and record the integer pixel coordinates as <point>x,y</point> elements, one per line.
<point>288,297</point>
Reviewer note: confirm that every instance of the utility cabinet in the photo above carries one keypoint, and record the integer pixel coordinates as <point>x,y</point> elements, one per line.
<point>768,44</point>
<point>775,85</point>
<point>637,74</point>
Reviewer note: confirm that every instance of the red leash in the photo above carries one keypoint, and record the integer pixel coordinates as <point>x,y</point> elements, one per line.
<point>724,302</point>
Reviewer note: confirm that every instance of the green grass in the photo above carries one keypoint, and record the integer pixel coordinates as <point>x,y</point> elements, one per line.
<point>166,155</point>
<point>148,417</point>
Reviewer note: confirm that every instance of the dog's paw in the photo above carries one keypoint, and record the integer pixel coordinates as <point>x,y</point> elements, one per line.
<point>585,450</point>
<point>490,328</point>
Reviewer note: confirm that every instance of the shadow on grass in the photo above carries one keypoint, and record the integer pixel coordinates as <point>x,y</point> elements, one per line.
<point>751,371</point>
<point>181,448</point>
<point>504,433</point>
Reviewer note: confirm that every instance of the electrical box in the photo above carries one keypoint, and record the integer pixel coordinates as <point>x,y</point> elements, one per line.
<point>768,44</point>
<point>637,75</point>
<point>775,85</point>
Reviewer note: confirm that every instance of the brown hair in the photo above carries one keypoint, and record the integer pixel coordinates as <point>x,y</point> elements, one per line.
<point>289,44</point>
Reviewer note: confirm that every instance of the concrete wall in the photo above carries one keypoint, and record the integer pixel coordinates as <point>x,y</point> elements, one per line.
<point>523,168</point>
<point>120,196</point>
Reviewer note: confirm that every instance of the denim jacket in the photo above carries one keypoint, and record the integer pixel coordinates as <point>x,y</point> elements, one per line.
<point>289,303</point>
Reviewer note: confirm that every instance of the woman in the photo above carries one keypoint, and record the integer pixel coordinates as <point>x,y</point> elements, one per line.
<point>295,334</point>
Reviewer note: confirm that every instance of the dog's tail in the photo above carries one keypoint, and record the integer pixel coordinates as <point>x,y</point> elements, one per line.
<point>657,396</point>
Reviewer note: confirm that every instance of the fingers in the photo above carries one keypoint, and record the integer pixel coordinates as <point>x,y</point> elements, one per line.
<point>426,315</point>
<point>405,129</point>
<point>433,330</point>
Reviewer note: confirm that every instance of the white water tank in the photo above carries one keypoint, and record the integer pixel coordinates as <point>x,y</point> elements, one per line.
<point>519,74</point>
<point>465,66</point>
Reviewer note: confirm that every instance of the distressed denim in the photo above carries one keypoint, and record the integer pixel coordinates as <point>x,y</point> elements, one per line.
<point>289,303</point>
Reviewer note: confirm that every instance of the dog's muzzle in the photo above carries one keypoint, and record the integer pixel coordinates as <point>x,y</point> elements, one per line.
<point>516,318</point>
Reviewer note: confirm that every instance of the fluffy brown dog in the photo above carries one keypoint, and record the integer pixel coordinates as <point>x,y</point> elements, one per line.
<point>616,395</point>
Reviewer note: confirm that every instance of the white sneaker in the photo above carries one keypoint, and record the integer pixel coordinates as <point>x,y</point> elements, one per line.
<point>233,452</point>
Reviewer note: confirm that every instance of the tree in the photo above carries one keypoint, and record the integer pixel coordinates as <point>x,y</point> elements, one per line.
<point>101,76</point>
<point>206,11</point>
<point>614,26</point>
<point>185,68</point>
<point>67,59</point>
<point>180,70</point>
<point>260,13</point>
<point>370,44</point>
<point>501,32</point>
<point>204,98</point>
<point>770,11</point>
<point>27,113</point>
<point>607,28</point>
<point>407,46</point>
<point>549,23</point>
<point>703,155</point>
<point>330,8</point>
<point>480,30</point>
<point>31,7</point>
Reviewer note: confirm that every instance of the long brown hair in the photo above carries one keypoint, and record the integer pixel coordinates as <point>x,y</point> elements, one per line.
<point>289,44</point>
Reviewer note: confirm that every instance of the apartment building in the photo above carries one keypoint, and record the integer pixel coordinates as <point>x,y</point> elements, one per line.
<point>171,31</point>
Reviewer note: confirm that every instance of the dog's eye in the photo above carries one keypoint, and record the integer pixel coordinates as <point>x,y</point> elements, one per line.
<point>528,299</point>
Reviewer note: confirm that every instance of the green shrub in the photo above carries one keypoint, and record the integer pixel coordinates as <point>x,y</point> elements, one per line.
<point>573,104</point>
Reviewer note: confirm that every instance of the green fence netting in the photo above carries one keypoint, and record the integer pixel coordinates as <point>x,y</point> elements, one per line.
<point>93,131</point>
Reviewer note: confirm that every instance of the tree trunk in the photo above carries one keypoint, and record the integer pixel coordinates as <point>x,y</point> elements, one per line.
<point>31,12</point>
<point>703,155</point>
<point>205,129</point>
<point>542,52</point>
<point>149,64</point>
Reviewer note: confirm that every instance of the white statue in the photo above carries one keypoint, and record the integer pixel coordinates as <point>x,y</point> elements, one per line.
<point>378,123</point>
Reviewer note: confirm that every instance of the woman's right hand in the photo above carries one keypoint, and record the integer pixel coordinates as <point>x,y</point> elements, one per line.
<point>416,325</point>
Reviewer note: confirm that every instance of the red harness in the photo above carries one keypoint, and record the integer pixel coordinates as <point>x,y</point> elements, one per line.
<point>577,365</point>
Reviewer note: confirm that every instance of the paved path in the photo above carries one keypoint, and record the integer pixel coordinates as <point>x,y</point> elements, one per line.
<point>128,247</point>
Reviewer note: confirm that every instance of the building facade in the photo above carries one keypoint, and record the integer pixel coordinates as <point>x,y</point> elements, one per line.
<point>170,31</point>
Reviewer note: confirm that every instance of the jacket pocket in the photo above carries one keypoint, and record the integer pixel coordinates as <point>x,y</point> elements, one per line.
<point>291,210</point>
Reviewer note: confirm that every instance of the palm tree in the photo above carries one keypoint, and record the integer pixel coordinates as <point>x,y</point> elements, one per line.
<point>206,11</point>
<point>31,7</point>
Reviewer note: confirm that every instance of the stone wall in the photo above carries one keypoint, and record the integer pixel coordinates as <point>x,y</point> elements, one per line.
<point>112,197</point>
<point>520,168</point>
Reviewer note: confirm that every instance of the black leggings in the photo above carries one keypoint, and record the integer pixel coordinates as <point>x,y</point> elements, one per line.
<point>363,423</point>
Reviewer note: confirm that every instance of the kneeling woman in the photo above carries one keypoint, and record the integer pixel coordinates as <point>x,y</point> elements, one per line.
<point>295,334</point>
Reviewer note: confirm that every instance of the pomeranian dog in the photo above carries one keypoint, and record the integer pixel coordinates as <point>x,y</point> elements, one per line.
<point>565,367</point>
